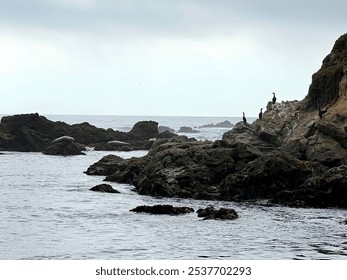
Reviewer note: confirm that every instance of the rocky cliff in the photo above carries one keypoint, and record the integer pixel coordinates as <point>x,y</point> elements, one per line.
<point>324,88</point>
<point>295,155</point>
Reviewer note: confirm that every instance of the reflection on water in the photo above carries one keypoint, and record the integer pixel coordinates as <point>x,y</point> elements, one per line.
<point>48,212</point>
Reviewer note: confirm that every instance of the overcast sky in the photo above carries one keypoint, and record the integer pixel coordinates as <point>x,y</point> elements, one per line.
<point>161,57</point>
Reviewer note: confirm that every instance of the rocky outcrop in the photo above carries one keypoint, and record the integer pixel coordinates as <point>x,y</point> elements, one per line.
<point>104,188</point>
<point>324,88</point>
<point>35,133</point>
<point>210,213</point>
<point>294,155</point>
<point>161,209</point>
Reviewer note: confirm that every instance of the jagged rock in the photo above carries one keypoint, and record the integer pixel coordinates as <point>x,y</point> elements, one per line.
<point>128,170</point>
<point>104,188</point>
<point>246,143</point>
<point>324,88</point>
<point>144,130</point>
<point>191,169</point>
<point>264,177</point>
<point>162,209</point>
<point>106,166</point>
<point>324,149</point>
<point>210,213</point>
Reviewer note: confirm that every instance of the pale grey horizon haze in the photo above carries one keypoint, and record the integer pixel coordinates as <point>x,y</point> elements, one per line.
<point>161,57</point>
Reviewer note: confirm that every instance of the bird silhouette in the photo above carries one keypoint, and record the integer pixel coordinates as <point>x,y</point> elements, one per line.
<point>244,117</point>
<point>274,98</point>
<point>261,113</point>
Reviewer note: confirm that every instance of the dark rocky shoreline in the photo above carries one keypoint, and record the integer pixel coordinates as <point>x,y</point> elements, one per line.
<point>35,133</point>
<point>294,155</point>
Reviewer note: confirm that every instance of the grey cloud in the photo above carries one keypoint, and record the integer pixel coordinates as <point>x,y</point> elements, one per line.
<point>169,17</point>
<point>166,17</point>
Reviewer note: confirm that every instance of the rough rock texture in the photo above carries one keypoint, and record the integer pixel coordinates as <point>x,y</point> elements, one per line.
<point>104,188</point>
<point>324,88</point>
<point>294,155</point>
<point>161,209</point>
<point>210,213</point>
<point>35,133</point>
<point>328,189</point>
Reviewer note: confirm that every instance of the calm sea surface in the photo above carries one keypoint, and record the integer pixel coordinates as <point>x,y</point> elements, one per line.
<point>48,212</point>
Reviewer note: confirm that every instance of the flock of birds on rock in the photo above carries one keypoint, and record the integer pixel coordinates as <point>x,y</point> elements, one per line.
<point>320,111</point>
<point>261,109</point>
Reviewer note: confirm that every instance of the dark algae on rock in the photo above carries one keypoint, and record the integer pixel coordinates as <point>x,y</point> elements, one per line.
<point>294,155</point>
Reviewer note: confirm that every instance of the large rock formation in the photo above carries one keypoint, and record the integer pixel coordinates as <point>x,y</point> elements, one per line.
<point>35,133</point>
<point>295,155</point>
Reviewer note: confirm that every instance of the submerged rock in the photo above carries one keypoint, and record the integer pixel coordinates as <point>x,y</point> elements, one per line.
<point>161,209</point>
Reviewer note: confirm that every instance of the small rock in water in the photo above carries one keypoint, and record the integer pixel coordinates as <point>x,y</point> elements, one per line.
<point>104,188</point>
<point>221,214</point>
<point>163,209</point>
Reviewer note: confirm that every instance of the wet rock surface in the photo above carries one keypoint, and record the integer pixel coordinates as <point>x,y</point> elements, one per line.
<point>210,213</point>
<point>163,209</point>
<point>104,188</point>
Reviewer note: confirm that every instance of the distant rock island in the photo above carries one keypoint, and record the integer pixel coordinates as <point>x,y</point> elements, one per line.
<point>295,155</point>
<point>187,129</point>
<point>224,124</point>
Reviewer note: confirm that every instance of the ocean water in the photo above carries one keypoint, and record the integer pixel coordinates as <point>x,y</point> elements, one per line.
<point>48,212</point>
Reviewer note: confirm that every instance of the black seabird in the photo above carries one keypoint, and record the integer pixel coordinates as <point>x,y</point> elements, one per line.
<point>261,113</point>
<point>274,98</point>
<point>244,117</point>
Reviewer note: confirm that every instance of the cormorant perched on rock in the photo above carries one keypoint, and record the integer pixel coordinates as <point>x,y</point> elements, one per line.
<point>274,98</point>
<point>321,112</point>
<point>244,117</point>
<point>261,113</point>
